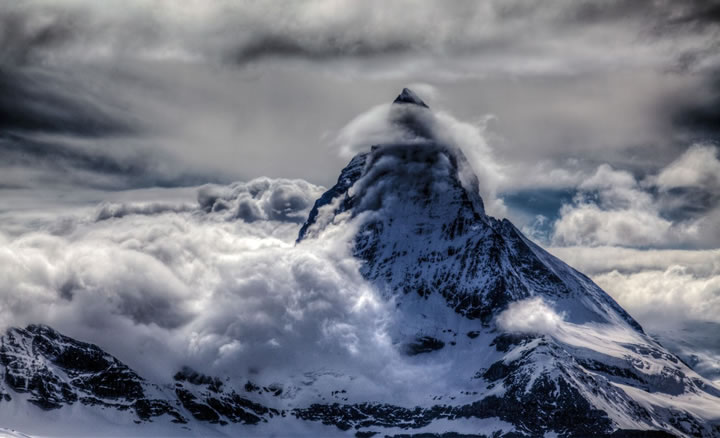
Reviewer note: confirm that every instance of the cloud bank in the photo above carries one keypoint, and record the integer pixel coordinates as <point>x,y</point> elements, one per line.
<point>678,207</point>
<point>221,288</point>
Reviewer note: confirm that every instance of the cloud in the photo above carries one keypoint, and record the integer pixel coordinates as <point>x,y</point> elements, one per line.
<point>662,288</point>
<point>180,96</point>
<point>261,199</point>
<point>670,296</point>
<point>37,101</point>
<point>96,98</point>
<point>413,125</point>
<point>532,315</point>
<point>108,210</point>
<point>677,207</point>
<point>674,294</point>
<point>699,167</point>
<point>320,30</point>
<point>697,114</point>
<point>603,259</point>
<point>201,287</point>
<point>22,35</point>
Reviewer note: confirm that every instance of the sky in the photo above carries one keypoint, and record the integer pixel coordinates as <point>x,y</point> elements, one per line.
<point>592,125</point>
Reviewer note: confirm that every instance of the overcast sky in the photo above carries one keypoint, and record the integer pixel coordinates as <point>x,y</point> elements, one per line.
<point>594,126</point>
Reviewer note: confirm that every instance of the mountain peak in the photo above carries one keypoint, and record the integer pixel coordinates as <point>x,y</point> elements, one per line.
<point>408,96</point>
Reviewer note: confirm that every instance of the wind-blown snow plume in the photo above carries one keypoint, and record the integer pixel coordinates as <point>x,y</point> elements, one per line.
<point>414,124</point>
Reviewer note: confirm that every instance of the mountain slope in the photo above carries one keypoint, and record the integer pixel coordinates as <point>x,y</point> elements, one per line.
<point>423,234</point>
<point>500,337</point>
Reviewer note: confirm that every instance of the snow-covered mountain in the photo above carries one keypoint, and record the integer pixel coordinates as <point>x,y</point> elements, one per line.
<point>514,341</point>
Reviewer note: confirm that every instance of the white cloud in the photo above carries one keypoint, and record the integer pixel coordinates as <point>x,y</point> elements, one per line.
<point>387,124</point>
<point>194,287</point>
<point>613,208</point>
<point>661,288</point>
<point>532,315</point>
<point>699,166</point>
<point>604,259</point>
<point>588,224</point>
<point>660,298</point>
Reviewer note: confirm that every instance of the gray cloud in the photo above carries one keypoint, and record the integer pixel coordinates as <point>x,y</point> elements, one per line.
<point>613,208</point>
<point>196,91</point>
<point>114,210</point>
<point>261,199</point>
<point>698,115</point>
<point>22,35</point>
<point>221,291</point>
<point>321,29</point>
<point>33,101</point>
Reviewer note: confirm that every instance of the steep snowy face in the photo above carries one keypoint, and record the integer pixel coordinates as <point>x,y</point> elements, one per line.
<point>55,372</point>
<point>422,231</point>
<point>52,370</point>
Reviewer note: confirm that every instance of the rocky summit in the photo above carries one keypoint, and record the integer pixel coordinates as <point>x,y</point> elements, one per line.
<point>452,272</point>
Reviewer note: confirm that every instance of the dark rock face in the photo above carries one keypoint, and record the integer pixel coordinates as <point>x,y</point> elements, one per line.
<point>407,96</point>
<point>58,371</point>
<point>506,341</point>
<point>187,374</point>
<point>205,402</point>
<point>534,412</point>
<point>147,409</point>
<point>347,178</point>
<point>198,410</point>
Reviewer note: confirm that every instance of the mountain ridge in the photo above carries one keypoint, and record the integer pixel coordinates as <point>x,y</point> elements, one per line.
<point>454,275</point>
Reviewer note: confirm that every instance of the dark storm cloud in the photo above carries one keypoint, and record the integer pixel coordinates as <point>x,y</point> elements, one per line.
<point>698,116</point>
<point>21,37</point>
<point>17,150</point>
<point>685,203</point>
<point>693,12</point>
<point>321,30</point>
<point>63,160</point>
<point>278,46</point>
<point>37,101</point>
<point>426,30</point>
